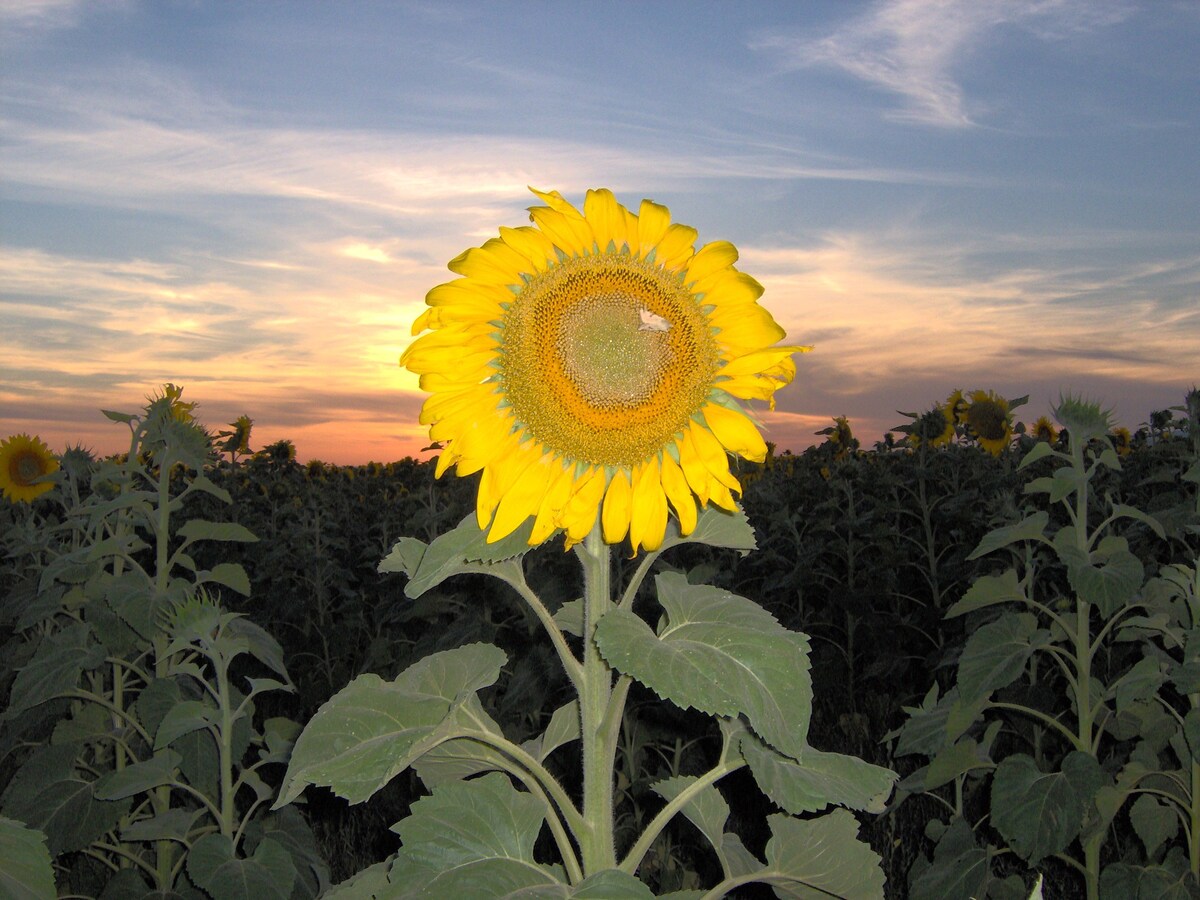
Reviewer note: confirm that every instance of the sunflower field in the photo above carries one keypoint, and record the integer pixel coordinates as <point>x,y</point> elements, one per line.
<point>1012,633</point>
<point>629,651</point>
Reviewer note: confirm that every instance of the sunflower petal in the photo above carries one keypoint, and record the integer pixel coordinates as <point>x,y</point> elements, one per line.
<point>712,257</point>
<point>607,218</point>
<point>618,505</point>
<point>679,494</point>
<point>648,522</point>
<point>735,432</point>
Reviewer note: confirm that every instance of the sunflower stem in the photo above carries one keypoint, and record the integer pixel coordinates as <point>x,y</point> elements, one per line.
<point>595,693</point>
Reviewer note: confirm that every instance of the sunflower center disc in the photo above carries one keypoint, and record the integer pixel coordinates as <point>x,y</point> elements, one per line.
<point>28,467</point>
<point>605,358</point>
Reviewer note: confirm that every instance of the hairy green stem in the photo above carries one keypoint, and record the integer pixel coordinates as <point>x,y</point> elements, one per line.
<point>596,840</point>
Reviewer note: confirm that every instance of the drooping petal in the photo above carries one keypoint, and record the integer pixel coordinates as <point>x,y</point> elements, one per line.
<point>676,488</point>
<point>648,519</point>
<point>618,503</point>
<point>735,432</point>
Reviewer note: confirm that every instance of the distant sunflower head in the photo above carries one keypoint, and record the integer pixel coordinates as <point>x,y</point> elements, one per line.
<point>1044,430</point>
<point>24,460</point>
<point>934,428</point>
<point>956,406</point>
<point>594,364</point>
<point>1122,441</point>
<point>988,419</point>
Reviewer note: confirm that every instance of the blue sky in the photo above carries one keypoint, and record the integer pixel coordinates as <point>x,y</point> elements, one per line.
<point>251,199</point>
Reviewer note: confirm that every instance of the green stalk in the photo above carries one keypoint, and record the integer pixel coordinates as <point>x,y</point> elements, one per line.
<point>595,690</point>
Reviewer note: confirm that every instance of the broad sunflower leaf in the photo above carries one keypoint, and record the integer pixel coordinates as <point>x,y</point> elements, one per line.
<point>1030,529</point>
<point>707,810</point>
<point>1154,821</point>
<point>1040,813</point>
<point>715,527</point>
<point>203,530</point>
<point>955,760</point>
<point>460,758</point>
<point>461,550</point>
<point>818,779</point>
<point>988,590</point>
<point>996,654</point>
<point>259,643</point>
<point>1111,584</point>
<point>46,793</point>
<point>175,824</point>
<point>26,872</point>
<point>1148,882</point>
<point>820,858</point>
<point>961,869</point>
<point>141,776</point>
<point>611,884</point>
<point>371,730</point>
<point>719,653</point>
<point>484,879</point>
<point>267,874</point>
<point>55,668</point>
<point>471,839</point>
<point>227,574</point>
<point>183,718</point>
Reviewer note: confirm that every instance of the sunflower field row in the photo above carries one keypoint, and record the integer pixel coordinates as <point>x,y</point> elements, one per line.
<point>1004,616</point>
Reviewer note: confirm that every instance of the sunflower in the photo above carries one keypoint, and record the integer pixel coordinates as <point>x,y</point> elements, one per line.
<point>1044,430</point>
<point>956,407</point>
<point>988,419</point>
<point>1122,441</point>
<point>24,460</point>
<point>933,428</point>
<point>592,364</point>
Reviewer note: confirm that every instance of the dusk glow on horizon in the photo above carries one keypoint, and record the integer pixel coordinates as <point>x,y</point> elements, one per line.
<point>252,200</point>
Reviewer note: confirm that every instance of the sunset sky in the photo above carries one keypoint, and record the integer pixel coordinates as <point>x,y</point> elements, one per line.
<point>251,199</point>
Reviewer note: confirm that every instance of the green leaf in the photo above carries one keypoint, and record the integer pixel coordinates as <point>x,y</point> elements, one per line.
<point>820,858</point>
<point>996,654</point>
<point>230,575</point>
<point>464,549</point>
<point>569,617</point>
<point>174,825</point>
<point>961,869</point>
<point>955,760</point>
<point>1154,821</point>
<point>1112,584</point>
<point>368,884</point>
<point>1146,883</point>
<point>405,556</point>
<point>185,717</point>
<point>26,872</point>
<point>1141,682</point>
<point>55,668</point>
<point>707,809</point>
<point>1030,529</point>
<point>260,644</point>
<point>203,530</point>
<point>141,776</point>
<point>484,879</point>
<point>611,884</point>
<point>1040,450</point>
<point>371,730</point>
<point>818,779</point>
<point>715,527</point>
<point>47,794</point>
<point>460,758</point>
<point>467,823</point>
<point>988,590</point>
<point>268,874</point>
<point>719,653</point>
<point>1041,813</point>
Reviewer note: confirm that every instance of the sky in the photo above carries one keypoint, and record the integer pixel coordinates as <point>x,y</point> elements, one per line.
<point>252,199</point>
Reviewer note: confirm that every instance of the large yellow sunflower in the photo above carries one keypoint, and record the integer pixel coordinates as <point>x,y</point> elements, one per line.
<point>989,420</point>
<point>23,460</point>
<point>593,363</point>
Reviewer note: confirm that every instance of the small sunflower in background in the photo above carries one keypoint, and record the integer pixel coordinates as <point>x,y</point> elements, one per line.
<point>595,364</point>
<point>989,421</point>
<point>1122,441</point>
<point>1044,430</point>
<point>23,461</point>
<point>934,428</point>
<point>840,437</point>
<point>955,407</point>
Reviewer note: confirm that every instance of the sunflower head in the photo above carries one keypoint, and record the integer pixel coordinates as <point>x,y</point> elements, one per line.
<point>237,439</point>
<point>988,420</point>
<point>934,428</point>
<point>594,364</point>
<point>1044,430</point>
<point>24,463</point>
<point>1122,441</point>
<point>1084,419</point>
<point>956,406</point>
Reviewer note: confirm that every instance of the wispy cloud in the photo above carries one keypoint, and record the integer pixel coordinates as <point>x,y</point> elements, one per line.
<point>916,48</point>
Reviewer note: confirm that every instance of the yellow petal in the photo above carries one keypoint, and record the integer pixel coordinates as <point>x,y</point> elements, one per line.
<point>676,246</point>
<point>606,217</point>
<point>468,403</point>
<point>710,258</point>
<point>728,288</point>
<point>531,244</point>
<point>523,498</point>
<point>736,432</point>
<point>556,201</point>
<point>614,518</point>
<point>775,361</point>
<point>745,329</point>
<point>579,515</point>
<point>572,236</point>
<point>676,488</point>
<point>713,454</point>
<point>494,263</point>
<point>648,522</point>
<point>653,221</point>
<point>465,292</point>
<point>558,492</point>
<point>498,479</point>
<point>693,467</point>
